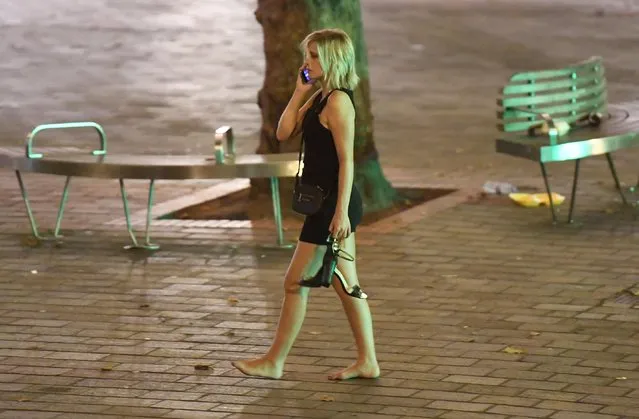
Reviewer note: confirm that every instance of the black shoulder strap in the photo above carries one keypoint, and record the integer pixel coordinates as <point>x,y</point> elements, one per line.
<point>299,160</point>
<point>320,107</point>
<point>299,157</point>
<point>349,92</point>
<point>324,101</point>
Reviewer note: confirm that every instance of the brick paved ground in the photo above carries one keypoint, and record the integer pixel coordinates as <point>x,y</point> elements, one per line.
<point>90,331</point>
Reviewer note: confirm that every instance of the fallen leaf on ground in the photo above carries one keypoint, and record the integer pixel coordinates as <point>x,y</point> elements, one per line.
<point>326,398</point>
<point>514,351</point>
<point>31,242</point>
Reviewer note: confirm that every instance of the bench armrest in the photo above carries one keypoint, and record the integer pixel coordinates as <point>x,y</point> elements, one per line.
<point>99,152</point>
<point>224,133</point>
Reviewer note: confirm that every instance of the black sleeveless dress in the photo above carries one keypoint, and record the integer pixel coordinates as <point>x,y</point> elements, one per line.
<point>321,167</point>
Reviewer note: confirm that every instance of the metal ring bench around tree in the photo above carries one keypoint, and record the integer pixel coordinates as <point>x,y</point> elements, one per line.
<point>99,164</point>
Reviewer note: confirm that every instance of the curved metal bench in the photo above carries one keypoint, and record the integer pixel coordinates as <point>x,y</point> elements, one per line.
<point>577,96</point>
<point>98,164</point>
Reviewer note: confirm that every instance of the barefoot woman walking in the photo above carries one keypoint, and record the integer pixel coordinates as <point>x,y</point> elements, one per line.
<point>327,122</point>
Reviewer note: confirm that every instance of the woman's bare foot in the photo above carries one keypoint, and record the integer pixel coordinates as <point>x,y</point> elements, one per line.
<point>357,370</point>
<point>259,367</point>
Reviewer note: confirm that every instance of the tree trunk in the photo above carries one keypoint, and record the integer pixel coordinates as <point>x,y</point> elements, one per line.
<point>285,23</point>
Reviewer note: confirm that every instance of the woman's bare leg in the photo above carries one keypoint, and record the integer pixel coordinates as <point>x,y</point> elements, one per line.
<point>360,319</point>
<point>306,261</point>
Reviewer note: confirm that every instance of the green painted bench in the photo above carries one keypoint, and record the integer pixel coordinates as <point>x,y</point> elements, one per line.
<point>535,107</point>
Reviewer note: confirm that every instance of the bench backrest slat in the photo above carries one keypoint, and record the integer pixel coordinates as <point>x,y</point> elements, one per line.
<point>569,94</point>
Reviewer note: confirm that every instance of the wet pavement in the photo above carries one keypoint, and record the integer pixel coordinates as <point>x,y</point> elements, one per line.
<point>161,75</point>
<point>481,308</point>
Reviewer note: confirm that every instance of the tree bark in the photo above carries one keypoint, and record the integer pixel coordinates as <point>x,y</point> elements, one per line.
<point>285,23</point>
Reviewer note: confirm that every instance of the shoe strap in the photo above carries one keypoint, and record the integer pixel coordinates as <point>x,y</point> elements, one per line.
<point>339,252</point>
<point>344,255</point>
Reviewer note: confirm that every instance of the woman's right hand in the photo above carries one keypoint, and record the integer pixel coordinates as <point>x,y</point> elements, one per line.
<point>300,85</point>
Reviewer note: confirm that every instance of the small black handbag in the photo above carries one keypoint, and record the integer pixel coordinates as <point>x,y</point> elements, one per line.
<point>307,199</point>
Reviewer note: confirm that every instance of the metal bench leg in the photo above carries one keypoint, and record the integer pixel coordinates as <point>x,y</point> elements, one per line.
<point>613,170</point>
<point>32,220</point>
<point>277,214</point>
<point>63,203</point>
<point>573,195</point>
<point>149,217</point>
<point>125,203</point>
<point>548,191</point>
<point>25,199</point>
<point>127,215</point>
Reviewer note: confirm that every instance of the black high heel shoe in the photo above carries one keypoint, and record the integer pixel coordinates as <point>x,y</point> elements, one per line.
<point>324,277</point>
<point>355,292</point>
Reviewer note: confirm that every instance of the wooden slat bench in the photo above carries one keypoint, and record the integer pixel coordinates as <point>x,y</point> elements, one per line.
<point>575,95</point>
<point>98,164</point>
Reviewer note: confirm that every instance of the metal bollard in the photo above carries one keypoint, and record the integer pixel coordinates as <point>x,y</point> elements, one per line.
<point>219,151</point>
<point>224,133</point>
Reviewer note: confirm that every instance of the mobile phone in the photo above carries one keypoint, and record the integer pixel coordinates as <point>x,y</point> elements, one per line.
<point>306,79</point>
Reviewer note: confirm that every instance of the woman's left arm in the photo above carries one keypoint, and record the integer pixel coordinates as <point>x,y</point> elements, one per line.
<point>341,122</point>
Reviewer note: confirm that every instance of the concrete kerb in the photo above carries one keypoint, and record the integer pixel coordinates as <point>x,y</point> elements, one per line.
<point>389,224</point>
<point>220,189</point>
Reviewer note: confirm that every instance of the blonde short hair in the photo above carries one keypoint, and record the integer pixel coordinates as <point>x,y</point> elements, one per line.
<point>336,56</point>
